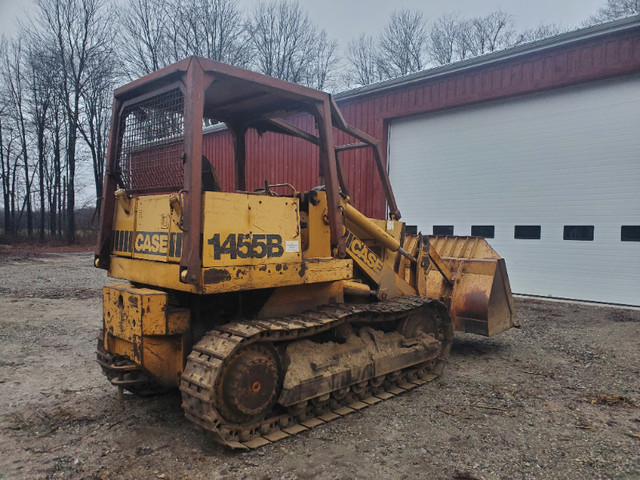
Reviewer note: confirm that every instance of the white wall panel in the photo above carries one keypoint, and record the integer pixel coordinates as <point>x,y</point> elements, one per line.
<point>566,157</point>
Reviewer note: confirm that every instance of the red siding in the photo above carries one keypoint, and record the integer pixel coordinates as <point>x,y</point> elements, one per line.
<point>289,160</point>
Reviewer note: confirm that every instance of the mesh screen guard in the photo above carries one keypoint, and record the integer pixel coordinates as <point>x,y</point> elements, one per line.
<point>150,158</point>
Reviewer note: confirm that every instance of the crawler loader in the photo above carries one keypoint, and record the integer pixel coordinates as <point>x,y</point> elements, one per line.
<point>273,310</point>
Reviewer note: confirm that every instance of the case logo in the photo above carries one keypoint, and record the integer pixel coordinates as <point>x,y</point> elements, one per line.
<point>360,251</point>
<point>158,243</point>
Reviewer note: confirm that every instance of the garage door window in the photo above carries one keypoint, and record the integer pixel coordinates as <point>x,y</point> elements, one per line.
<point>527,232</point>
<point>443,230</point>
<point>485,231</point>
<point>578,232</point>
<point>630,233</point>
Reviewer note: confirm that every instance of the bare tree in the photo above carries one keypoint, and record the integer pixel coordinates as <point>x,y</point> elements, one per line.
<point>15,82</point>
<point>614,9</point>
<point>544,30</point>
<point>362,61</point>
<point>446,36</point>
<point>96,98</point>
<point>403,43</point>
<point>286,44</point>
<point>80,38</point>
<point>4,176</point>
<point>41,86</point>
<point>145,43</point>
<point>210,28</point>
<point>56,167</point>
<point>488,34</point>
<point>320,71</point>
<point>6,141</point>
<point>9,158</point>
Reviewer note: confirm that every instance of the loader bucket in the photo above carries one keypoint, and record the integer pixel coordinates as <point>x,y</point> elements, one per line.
<point>480,298</point>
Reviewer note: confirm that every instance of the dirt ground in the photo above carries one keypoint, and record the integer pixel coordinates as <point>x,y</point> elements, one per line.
<point>558,398</point>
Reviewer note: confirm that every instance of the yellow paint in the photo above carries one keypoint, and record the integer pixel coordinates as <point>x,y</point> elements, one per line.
<point>124,225</point>
<point>140,324</point>
<point>155,229</point>
<point>164,358</point>
<point>318,233</point>
<point>279,275</point>
<point>371,227</point>
<point>480,299</point>
<point>165,275</point>
<point>301,297</point>
<point>356,288</point>
<point>249,241</point>
<point>241,229</point>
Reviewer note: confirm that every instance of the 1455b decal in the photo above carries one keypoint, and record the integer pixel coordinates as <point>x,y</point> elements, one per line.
<point>246,245</point>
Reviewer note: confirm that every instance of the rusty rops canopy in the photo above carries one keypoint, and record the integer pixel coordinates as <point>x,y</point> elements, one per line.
<point>196,89</point>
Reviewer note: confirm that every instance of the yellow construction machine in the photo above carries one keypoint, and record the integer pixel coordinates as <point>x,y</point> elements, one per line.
<point>273,310</point>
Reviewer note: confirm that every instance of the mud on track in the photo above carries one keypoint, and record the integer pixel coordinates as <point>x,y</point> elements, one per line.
<point>558,398</point>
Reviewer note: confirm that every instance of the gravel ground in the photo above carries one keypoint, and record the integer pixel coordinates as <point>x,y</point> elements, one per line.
<point>557,398</point>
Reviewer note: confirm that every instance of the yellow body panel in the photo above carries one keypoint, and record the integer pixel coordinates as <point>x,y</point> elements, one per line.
<point>162,275</point>
<point>140,324</point>
<point>318,244</point>
<point>240,229</point>
<point>124,226</point>
<point>249,242</point>
<point>218,280</point>
<point>231,279</point>
<point>302,297</point>
<point>147,228</point>
<point>157,235</point>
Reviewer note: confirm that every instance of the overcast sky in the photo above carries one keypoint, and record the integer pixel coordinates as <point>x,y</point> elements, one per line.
<point>346,19</point>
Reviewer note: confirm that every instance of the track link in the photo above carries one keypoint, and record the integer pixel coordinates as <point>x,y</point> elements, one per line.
<point>202,372</point>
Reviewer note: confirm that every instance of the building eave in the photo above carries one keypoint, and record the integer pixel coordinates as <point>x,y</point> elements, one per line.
<point>628,24</point>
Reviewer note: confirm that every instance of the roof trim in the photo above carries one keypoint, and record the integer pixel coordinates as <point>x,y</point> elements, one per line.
<point>627,24</point>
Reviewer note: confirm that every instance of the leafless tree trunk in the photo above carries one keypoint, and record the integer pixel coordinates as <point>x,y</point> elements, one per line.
<point>41,86</point>
<point>403,43</point>
<point>445,35</point>
<point>96,106</point>
<point>287,45</point>
<point>14,79</point>
<point>362,58</point>
<point>488,34</point>
<point>6,175</point>
<point>145,45</point>
<point>210,28</point>
<point>78,29</point>
<point>54,173</point>
<point>9,173</point>
<point>5,163</point>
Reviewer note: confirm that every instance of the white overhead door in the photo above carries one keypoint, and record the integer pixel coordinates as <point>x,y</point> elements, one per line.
<point>566,161</point>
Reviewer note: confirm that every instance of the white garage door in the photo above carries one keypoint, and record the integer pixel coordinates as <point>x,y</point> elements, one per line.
<point>563,166</point>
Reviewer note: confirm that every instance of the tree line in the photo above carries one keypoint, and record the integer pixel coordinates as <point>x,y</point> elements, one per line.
<point>59,73</point>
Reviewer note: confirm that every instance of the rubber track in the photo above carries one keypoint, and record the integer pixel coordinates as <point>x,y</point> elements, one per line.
<point>200,377</point>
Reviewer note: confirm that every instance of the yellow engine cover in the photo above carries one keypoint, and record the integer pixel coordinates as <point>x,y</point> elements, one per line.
<point>248,242</point>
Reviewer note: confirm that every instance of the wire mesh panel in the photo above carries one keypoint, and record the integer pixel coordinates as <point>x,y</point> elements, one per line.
<point>152,145</point>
